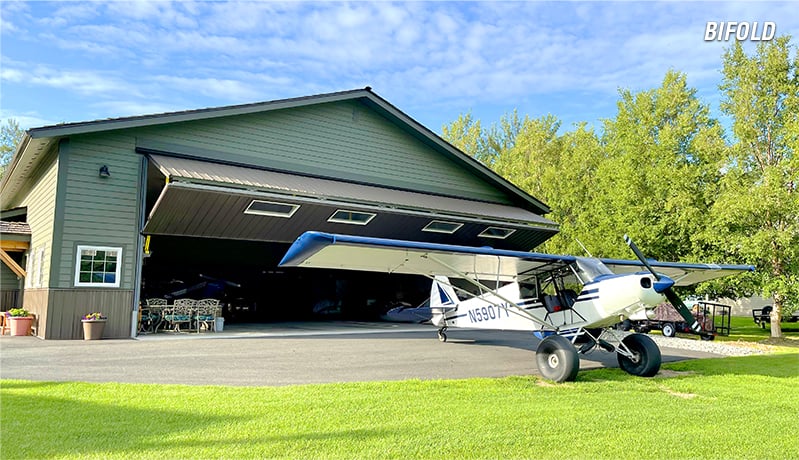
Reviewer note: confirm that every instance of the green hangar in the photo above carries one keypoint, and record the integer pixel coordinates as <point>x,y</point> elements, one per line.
<point>101,215</point>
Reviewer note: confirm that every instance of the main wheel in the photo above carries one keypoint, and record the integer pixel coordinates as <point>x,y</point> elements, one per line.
<point>645,361</point>
<point>669,330</point>
<point>557,359</point>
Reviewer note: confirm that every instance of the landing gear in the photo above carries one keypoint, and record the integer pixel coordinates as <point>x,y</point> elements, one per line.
<point>442,336</point>
<point>643,358</point>
<point>557,359</point>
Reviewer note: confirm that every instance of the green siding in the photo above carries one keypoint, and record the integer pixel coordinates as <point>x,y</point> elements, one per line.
<point>99,211</point>
<point>41,202</point>
<point>339,139</point>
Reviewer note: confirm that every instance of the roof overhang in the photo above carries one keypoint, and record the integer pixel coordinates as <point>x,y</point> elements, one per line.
<point>205,199</point>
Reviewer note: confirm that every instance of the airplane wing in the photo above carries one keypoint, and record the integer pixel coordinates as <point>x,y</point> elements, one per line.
<point>325,250</point>
<point>683,274</point>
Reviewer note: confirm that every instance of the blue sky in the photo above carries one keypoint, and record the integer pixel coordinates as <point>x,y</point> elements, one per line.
<point>79,61</point>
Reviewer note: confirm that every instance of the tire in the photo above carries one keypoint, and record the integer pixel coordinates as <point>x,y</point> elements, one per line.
<point>557,359</point>
<point>707,337</point>
<point>647,356</point>
<point>669,330</point>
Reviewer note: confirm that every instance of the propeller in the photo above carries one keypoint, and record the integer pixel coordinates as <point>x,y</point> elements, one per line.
<point>663,286</point>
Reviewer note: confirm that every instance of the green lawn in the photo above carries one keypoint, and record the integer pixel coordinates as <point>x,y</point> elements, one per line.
<point>712,408</point>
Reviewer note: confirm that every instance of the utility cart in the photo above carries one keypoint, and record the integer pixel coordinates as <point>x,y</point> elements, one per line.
<point>713,318</point>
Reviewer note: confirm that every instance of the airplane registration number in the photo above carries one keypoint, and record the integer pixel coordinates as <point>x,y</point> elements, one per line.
<point>487,313</point>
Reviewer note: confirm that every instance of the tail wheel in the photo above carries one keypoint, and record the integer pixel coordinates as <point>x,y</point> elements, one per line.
<point>557,359</point>
<point>669,330</point>
<point>645,359</point>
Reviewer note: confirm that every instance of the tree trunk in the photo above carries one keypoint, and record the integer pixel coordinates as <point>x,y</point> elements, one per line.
<point>776,317</point>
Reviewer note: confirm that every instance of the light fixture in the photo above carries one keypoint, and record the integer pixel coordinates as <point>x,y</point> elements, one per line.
<point>104,171</point>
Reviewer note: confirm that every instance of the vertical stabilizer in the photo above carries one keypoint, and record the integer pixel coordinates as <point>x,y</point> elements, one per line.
<point>442,299</point>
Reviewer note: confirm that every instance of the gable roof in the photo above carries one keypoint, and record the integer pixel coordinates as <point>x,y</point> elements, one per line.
<point>38,141</point>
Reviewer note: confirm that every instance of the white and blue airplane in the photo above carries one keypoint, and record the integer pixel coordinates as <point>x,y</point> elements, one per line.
<point>571,303</point>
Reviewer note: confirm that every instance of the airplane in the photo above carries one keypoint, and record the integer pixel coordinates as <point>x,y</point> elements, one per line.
<point>571,303</point>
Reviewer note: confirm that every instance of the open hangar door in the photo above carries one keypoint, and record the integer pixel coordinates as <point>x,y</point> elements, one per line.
<point>245,277</point>
<point>219,230</point>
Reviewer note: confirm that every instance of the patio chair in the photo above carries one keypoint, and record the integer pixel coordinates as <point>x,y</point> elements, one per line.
<point>179,313</point>
<point>206,312</point>
<point>152,314</point>
<point>5,323</point>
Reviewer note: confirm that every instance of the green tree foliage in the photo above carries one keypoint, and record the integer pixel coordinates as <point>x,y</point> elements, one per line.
<point>756,215</point>
<point>660,172</point>
<point>10,136</point>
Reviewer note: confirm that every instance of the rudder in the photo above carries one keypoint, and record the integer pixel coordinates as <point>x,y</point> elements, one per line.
<point>442,299</point>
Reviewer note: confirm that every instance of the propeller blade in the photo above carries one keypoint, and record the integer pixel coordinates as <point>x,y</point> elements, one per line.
<point>683,310</point>
<point>640,256</point>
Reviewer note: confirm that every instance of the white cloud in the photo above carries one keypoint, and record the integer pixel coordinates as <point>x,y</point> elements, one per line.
<point>422,54</point>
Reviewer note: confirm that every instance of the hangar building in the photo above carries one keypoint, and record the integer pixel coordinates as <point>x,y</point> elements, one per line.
<point>99,215</point>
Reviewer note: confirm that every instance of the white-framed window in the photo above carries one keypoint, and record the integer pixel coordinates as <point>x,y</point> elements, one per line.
<point>343,216</point>
<point>271,208</point>
<point>440,226</point>
<point>496,232</point>
<point>98,266</point>
<point>35,268</point>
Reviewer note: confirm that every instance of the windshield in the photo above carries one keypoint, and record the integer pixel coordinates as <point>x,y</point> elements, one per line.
<point>590,269</point>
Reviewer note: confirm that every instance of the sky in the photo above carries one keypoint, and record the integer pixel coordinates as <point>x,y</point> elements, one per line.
<point>77,61</point>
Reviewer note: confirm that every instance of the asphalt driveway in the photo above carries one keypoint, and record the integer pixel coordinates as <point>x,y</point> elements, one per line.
<point>287,354</point>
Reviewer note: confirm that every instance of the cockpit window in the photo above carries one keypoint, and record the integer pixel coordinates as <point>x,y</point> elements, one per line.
<point>590,269</point>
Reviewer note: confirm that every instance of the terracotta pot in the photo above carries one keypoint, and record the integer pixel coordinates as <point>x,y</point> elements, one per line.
<point>93,329</point>
<point>21,325</point>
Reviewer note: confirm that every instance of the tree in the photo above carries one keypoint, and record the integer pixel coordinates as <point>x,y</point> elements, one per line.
<point>756,216</point>
<point>466,134</point>
<point>485,145</point>
<point>10,136</point>
<point>659,175</point>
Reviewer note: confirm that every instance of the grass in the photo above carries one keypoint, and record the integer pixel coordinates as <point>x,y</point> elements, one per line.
<point>712,408</point>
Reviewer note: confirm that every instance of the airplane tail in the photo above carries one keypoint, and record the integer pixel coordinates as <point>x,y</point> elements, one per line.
<point>442,299</point>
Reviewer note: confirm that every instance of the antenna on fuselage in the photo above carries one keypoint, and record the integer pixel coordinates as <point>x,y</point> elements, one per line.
<point>584,248</point>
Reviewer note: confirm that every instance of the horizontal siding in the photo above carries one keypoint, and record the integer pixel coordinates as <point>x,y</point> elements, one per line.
<point>8,279</point>
<point>341,139</point>
<point>100,211</point>
<point>41,202</point>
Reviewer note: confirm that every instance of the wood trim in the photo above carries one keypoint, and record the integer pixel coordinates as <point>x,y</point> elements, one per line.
<point>19,271</point>
<point>11,245</point>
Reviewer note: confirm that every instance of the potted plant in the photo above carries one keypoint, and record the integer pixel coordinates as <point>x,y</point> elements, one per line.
<point>93,325</point>
<point>21,321</point>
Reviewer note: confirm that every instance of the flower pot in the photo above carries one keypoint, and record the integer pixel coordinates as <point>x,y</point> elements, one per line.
<point>93,329</point>
<point>21,325</point>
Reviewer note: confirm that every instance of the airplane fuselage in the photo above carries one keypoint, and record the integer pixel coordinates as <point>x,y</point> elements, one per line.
<point>601,303</point>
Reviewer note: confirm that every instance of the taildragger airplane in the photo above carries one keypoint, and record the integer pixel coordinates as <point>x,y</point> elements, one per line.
<point>572,303</point>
